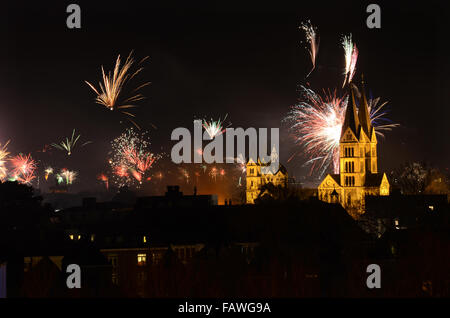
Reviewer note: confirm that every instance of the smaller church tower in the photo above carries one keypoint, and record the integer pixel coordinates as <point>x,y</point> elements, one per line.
<point>260,173</point>
<point>253,180</point>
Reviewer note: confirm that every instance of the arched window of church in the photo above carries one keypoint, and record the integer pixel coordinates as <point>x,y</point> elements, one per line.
<point>351,152</point>
<point>353,166</point>
<point>353,181</point>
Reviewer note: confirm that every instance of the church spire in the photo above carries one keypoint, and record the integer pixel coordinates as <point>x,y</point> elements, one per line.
<point>351,115</point>
<point>363,114</point>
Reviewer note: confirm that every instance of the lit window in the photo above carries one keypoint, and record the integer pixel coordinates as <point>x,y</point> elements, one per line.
<point>142,259</point>
<point>92,237</point>
<point>144,239</point>
<point>79,237</point>
<point>71,236</point>
<point>431,207</point>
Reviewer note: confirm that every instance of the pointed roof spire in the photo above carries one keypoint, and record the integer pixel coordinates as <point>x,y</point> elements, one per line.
<point>351,115</point>
<point>363,114</point>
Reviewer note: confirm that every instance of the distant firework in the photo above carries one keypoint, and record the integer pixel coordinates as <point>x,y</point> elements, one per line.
<point>316,123</point>
<point>240,161</point>
<point>3,157</point>
<point>131,158</point>
<point>214,127</point>
<point>48,172</point>
<point>102,177</point>
<point>66,176</point>
<point>111,88</point>
<point>313,39</point>
<point>23,168</point>
<point>213,173</point>
<point>184,174</point>
<point>69,144</point>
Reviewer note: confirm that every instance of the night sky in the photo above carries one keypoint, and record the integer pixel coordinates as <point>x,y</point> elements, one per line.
<point>208,59</point>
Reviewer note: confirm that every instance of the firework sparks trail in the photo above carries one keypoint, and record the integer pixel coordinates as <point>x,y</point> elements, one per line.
<point>351,57</point>
<point>131,157</point>
<point>313,39</point>
<point>111,88</point>
<point>316,123</point>
<point>3,157</point>
<point>23,168</point>
<point>69,144</point>
<point>378,116</point>
<point>353,63</point>
<point>214,127</point>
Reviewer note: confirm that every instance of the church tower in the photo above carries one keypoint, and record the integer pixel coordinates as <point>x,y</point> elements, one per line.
<point>358,168</point>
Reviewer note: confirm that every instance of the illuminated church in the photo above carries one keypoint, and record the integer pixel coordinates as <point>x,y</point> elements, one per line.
<point>259,174</point>
<point>358,168</point>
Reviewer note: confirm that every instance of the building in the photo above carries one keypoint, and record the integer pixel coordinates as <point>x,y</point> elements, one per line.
<point>358,162</point>
<point>257,178</point>
<point>175,198</point>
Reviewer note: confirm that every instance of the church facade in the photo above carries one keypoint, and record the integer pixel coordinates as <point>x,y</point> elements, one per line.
<point>259,175</point>
<point>358,162</point>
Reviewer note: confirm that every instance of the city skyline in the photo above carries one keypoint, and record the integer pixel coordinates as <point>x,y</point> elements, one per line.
<point>243,64</point>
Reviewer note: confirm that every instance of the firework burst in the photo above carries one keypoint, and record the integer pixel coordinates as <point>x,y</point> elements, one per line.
<point>111,88</point>
<point>214,127</point>
<point>67,176</point>
<point>316,124</point>
<point>69,144</point>
<point>48,171</point>
<point>131,158</point>
<point>23,168</point>
<point>313,39</point>
<point>378,116</point>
